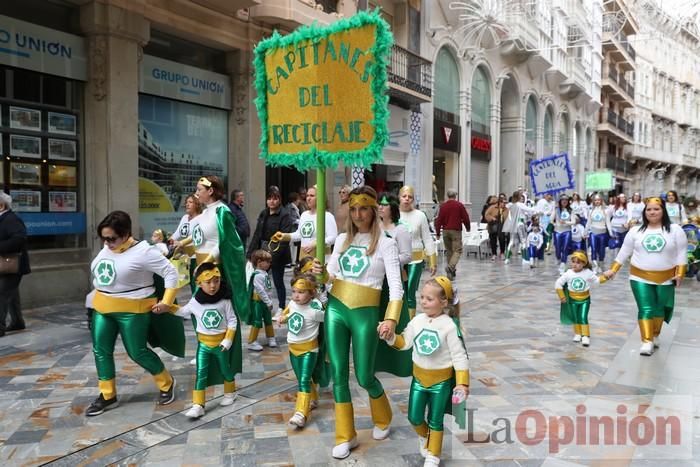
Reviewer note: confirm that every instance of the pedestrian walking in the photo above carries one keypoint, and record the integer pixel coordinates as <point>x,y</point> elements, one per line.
<point>450,219</point>
<point>242,224</point>
<point>14,263</point>
<point>495,217</point>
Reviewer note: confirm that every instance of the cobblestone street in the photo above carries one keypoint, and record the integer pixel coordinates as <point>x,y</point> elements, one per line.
<point>521,359</point>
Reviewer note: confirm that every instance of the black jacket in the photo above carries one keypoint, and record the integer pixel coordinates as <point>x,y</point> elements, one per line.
<point>242,225</point>
<point>266,227</point>
<point>13,239</point>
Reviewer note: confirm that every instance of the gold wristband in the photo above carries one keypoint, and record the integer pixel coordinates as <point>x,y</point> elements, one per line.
<point>561,293</point>
<point>185,241</point>
<point>169,296</point>
<point>399,342</point>
<point>393,310</point>
<point>681,269</point>
<point>615,267</point>
<point>230,333</point>
<point>462,377</point>
<point>432,261</point>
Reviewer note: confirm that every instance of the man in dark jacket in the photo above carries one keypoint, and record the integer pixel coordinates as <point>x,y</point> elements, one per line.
<point>451,217</point>
<point>236,207</point>
<point>272,219</point>
<point>13,240</point>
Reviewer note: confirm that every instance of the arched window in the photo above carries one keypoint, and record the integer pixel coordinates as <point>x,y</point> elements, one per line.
<point>548,132</point>
<point>447,84</point>
<point>531,126</point>
<point>481,102</point>
<point>564,133</point>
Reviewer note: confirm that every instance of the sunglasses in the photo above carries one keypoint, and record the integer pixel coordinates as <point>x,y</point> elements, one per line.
<point>110,239</point>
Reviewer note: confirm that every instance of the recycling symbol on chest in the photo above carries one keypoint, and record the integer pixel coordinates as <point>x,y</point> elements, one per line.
<point>597,216</point>
<point>354,262</point>
<point>185,231</point>
<point>211,318</point>
<point>295,322</point>
<point>427,342</point>
<point>654,243</point>
<point>565,215</point>
<point>268,282</point>
<point>620,213</point>
<point>105,272</point>
<point>578,284</point>
<point>307,229</point>
<point>672,211</point>
<point>197,236</point>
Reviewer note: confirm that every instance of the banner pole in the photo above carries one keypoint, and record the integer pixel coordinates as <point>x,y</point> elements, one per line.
<point>321,214</point>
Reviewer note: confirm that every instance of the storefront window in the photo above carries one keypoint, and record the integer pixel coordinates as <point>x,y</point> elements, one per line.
<point>481,102</point>
<point>41,147</point>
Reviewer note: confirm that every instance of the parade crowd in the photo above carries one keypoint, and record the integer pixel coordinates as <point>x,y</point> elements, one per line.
<point>365,299</point>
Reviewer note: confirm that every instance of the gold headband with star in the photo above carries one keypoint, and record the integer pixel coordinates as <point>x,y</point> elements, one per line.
<point>307,267</point>
<point>362,200</point>
<point>205,181</point>
<point>208,275</point>
<point>304,284</point>
<point>446,285</point>
<point>654,199</point>
<point>581,256</point>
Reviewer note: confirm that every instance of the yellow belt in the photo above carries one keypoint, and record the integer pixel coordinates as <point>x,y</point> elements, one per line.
<point>657,277</point>
<point>417,255</point>
<point>300,348</point>
<point>211,340</point>
<point>429,378</point>
<point>355,295</point>
<point>106,304</point>
<point>579,295</point>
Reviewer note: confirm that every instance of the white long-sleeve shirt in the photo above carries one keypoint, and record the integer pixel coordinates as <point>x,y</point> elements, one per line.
<point>402,236</point>
<point>635,211</point>
<point>417,224</point>
<point>535,239</point>
<point>563,220</point>
<point>517,214</point>
<point>435,343</point>
<point>598,221</point>
<point>354,265</point>
<point>676,212</point>
<point>262,285</point>
<point>306,231</point>
<point>577,281</point>
<point>210,318</point>
<point>205,233</point>
<point>618,219</point>
<point>303,322</point>
<point>577,232</point>
<point>184,228</point>
<point>580,209</point>
<point>654,249</point>
<point>130,274</point>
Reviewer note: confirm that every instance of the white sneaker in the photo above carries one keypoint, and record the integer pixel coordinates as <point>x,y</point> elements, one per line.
<point>255,346</point>
<point>647,349</point>
<point>228,399</point>
<point>577,337</point>
<point>342,450</point>
<point>507,261</point>
<point>562,268</point>
<point>298,420</point>
<point>422,446</point>
<point>193,361</point>
<point>195,412</point>
<point>379,434</point>
<point>313,404</point>
<point>586,341</point>
<point>431,461</point>
<point>271,342</point>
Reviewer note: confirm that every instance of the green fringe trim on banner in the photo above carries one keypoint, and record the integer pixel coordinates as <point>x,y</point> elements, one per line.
<point>315,158</point>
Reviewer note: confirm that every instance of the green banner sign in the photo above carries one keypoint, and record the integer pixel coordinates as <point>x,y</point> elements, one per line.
<point>599,181</point>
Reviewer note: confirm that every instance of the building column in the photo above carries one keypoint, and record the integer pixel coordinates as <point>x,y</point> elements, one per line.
<point>495,163</point>
<point>245,171</point>
<point>463,180</point>
<point>425,162</point>
<point>115,38</point>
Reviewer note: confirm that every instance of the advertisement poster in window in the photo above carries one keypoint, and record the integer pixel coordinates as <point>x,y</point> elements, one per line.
<point>62,149</point>
<point>62,175</point>
<point>62,124</point>
<point>26,200</point>
<point>25,174</point>
<point>178,143</point>
<point>63,201</point>
<point>25,146</point>
<point>25,119</point>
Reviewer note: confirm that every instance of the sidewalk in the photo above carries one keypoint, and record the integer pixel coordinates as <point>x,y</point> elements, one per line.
<point>521,359</point>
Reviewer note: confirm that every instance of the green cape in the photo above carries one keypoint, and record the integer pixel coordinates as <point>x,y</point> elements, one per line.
<point>232,260</point>
<point>166,330</point>
<point>566,314</point>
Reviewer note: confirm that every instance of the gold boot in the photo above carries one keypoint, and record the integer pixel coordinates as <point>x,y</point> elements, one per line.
<point>381,416</point>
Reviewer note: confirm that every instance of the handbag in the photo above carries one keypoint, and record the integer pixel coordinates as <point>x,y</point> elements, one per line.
<point>9,264</point>
<point>493,227</point>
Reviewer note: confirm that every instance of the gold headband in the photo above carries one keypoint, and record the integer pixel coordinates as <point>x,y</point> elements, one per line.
<point>580,255</point>
<point>446,285</point>
<point>208,275</point>
<point>205,181</point>
<point>654,199</point>
<point>407,189</point>
<point>303,284</point>
<point>363,200</point>
<point>307,267</point>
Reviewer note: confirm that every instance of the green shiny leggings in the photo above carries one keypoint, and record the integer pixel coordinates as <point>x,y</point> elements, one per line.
<point>261,313</point>
<point>205,355</point>
<point>359,325</point>
<point>435,398</point>
<point>414,271</point>
<point>133,327</point>
<point>653,301</point>
<point>579,310</point>
<point>303,367</point>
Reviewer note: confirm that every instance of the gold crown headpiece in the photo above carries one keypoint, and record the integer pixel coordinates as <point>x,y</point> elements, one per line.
<point>208,275</point>
<point>362,200</point>
<point>581,256</point>
<point>205,181</point>
<point>446,285</point>
<point>303,283</point>
<point>653,199</point>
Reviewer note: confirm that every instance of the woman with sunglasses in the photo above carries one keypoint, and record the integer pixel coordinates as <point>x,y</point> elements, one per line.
<point>658,264</point>
<point>123,276</point>
<point>362,258</point>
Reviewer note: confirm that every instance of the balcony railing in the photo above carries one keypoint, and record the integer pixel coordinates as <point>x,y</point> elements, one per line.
<point>622,38</point>
<point>622,82</point>
<point>620,123</point>
<point>410,71</point>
